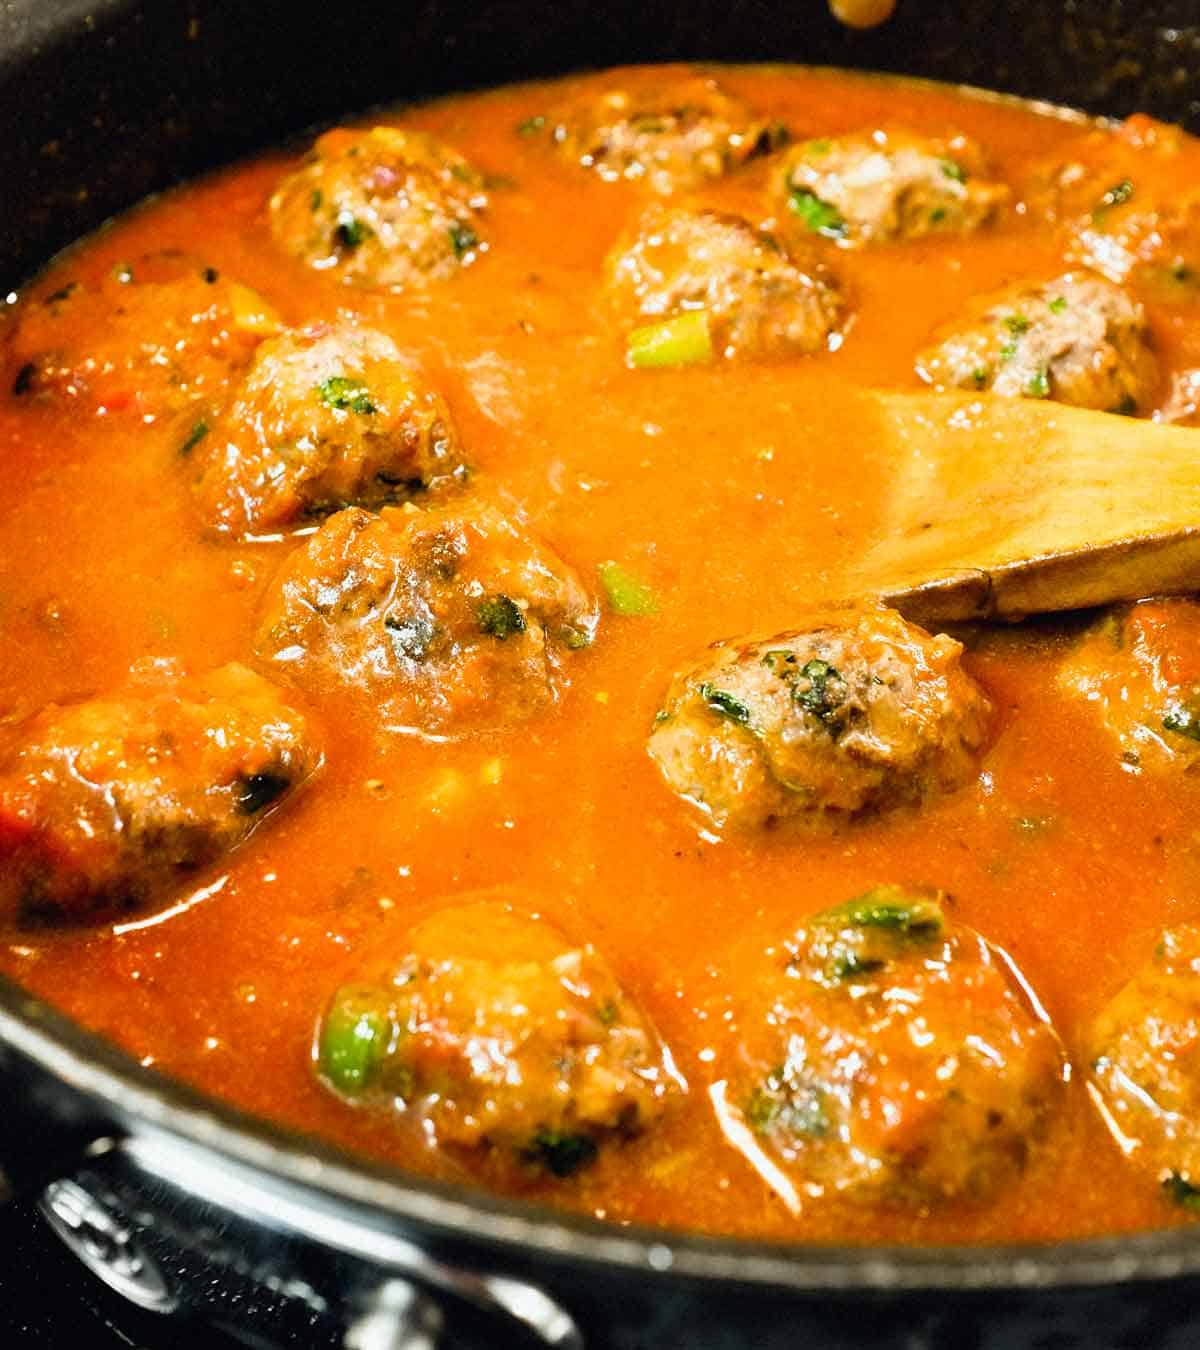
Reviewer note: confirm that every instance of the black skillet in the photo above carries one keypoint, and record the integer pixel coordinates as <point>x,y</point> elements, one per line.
<point>190,1207</point>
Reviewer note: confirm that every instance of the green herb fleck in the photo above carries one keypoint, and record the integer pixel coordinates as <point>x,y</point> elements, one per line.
<point>194,437</point>
<point>560,1153</point>
<point>684,340</point>
<point>499,617</point>
<point>1057,305</point>
<point>349,231</point>
<point>817,698</point>
<point>606,1013</point>
<point>462,238</point>
<point>627,593</point>
<point>954,170</point>
<point>821,146</point>
<point>980,376</point>
<point>1183,722</point>
<point>891,908</point>
<point>346,395</point>
<point>1016,324</point>
<point>531,126</point>
<point>819,216</point>
<point>1180,1191</point>
<point>316,199</point>
<point>1117,195</point>
<point>937,215</point>
<point>726,704</point>
<point>1038,385</point>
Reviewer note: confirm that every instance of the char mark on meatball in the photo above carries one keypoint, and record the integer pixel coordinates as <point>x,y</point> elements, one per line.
<point>515,1049</point>
<point>1077,339</point>
<point>892,1058</point>
<point>884,186</point>
<point>384,208</point>
<point>753,298</point>
<point>448,620</point>
<point>859,713</point>
<point>111,803</point>
<point>677,136</point>
<point>326,417</point>
<point>1138,671</point>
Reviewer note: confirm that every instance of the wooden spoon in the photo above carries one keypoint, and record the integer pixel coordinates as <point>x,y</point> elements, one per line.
<point>1000,508</point>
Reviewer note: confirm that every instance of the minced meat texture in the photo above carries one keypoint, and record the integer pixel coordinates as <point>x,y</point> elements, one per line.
<point>1143,1051</point>
<point>760,301</point>
<point>328,416</point>
<point>681,135</point>
<point>383,207</point>
<point>883,186</point>
<point>506,1041</point>
<point>857,712</point>
<point>1138,671</point>
<point>114,802</point>
<point>890,1057</point>
<point>1077,339</point>
<point>161,336</point>
<point>446,620</point>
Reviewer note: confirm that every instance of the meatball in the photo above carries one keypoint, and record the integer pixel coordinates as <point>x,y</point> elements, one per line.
<point>109,803</point>
<point>1140,669</point>
<point>158,337</point>
<point>1118,204</point>
<point>857,712</point>
<point>507,1043</point>
<point>882,186</point>
<point>447,620</point>
<point>326,417</point>
<point>1077,339</point>
<point>898,1061</point>
<point>381,208</point>
<point>758,301</point>
<point>1144,1055</point>
<point>678,135</point>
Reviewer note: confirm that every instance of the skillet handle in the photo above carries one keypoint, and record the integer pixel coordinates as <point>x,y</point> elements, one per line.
<point>46,1128</point>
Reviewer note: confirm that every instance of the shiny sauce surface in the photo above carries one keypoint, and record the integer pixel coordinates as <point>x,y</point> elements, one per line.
<point>742,494</point>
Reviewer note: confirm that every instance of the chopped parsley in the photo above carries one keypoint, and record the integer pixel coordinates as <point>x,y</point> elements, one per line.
<point>346,395</point>
<point>349,231</point>
<point>818,215</point>
<point>462,238</point>
<point>724,703</point>
<point>194,437</point>
<point>1057,305</point>
<point>817,698</point>
<point>890,907</point>
<point>954,170</point>
<point>560,1153</point>
<point>499,617</point>
<point>1038,385</point>
<point>1017,324</point>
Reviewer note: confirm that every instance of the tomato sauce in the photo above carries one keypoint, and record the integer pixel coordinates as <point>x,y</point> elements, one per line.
<point>743,494</point>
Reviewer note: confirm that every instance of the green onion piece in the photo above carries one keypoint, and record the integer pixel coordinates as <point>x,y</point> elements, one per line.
<point>627,593</point>
<point>354,1038</point>
<point>820,216</point>
<point>346,395</point>
<point>684,340</point>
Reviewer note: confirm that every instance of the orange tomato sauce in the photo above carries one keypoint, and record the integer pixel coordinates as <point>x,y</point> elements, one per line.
<point>743,494</point>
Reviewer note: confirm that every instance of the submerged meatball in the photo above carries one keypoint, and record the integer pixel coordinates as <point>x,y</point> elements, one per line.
<point>1144,1052</point>
<point>678,135</point>
<point>1140,669</point>
<point>503,1039</point>
<point>898,1061</point>
<point>858,712</point>
<point>1077,339</point>
<point>326,417</point>
<point>161,336</point>
<point>882,186</point>
<point>757,300</point>
<point>109,803</point>
<point>381,208</point>
<point>447,620</point>
<point>1118,204</point>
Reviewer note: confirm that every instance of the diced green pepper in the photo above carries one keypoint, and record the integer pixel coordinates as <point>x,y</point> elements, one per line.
<point>354,1037</point>
<point>684,340</point>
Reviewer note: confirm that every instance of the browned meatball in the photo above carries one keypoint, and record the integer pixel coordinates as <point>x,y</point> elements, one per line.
<point>758,300</point>
<point>502,1039</point>
<point>326,417</point>
<point>678,135</point>
<point>856,712</point>
<point>1139,670</point>
<point>160,337</point>
<point>1077,339</point>
<point>448,620</point>
<point>1144,1053</point>
<point>382,208</point>
<point>111,802</point>
<point>890,1057</point>
<point>882,186</point>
